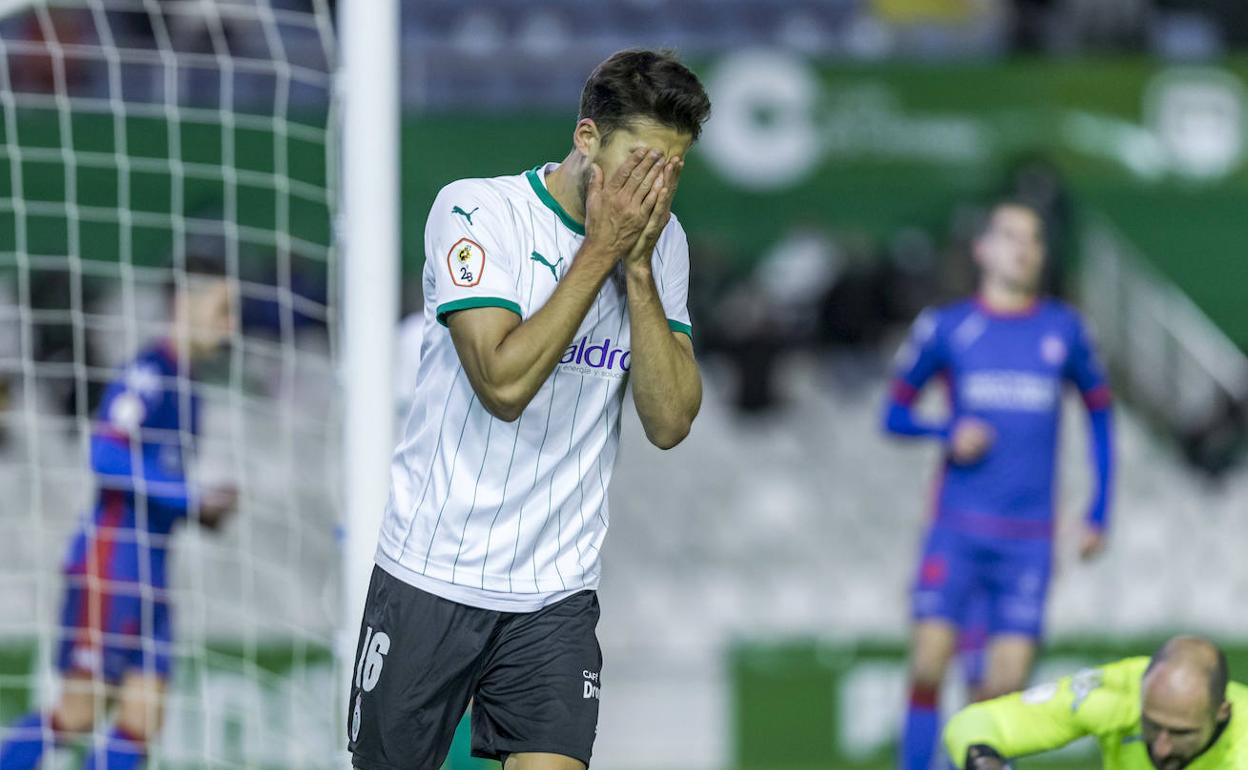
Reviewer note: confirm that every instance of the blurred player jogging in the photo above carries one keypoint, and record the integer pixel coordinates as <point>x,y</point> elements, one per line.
<point>116,637</point>
<point>1004,357</point>
<point>547,292</point>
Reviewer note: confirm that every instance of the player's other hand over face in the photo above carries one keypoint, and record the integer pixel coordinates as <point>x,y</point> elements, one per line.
<point>216,504</point>
<point>660,215</point>
<point>618,209</point>
<point>970,441</point>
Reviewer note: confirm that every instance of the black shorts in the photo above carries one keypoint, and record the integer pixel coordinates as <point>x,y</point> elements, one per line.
<point>533,678</point>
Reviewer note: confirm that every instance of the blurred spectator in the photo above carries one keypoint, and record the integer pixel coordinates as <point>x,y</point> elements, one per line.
<point>708,260</point>
<point>753,343</point>
<point>31,71</point>
<point>52,301</point>
<point>1231,16</point>
<point>1106,24</point>
<point>1216,445</point>
<point>913,274</point>
<point>794,276</point>
<point>200,27</point>
<point>1080,25</point>
<point>851,307</point>
<point>268,304</point>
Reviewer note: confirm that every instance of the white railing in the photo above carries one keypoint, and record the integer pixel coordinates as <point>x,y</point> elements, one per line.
<point>1169,356</point>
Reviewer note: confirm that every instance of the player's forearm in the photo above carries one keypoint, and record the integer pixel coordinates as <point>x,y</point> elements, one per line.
<point>1013,727</point>
<point>900,420</point>
<point>112,460</point>
<point>1101,425</point>
<point>507,377</point>
<point>972,726</point>
<point>667,387</point>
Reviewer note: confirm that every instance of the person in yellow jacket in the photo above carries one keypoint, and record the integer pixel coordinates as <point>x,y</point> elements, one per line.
<point>1175,711</point>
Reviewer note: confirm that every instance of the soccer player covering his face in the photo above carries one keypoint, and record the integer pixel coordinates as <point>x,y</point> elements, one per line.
<point>1004,357</point>
<point>1177,711</point>
<point>547,293</point>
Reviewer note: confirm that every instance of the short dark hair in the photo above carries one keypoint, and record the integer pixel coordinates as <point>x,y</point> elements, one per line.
<point>652,85</point>
<point>197,264</point>
<point>204,265</point>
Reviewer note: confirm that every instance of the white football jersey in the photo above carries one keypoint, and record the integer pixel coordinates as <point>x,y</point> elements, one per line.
<point>411,338</point>
<point>511,516</point>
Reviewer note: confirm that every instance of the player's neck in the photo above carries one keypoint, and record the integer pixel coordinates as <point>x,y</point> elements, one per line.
<point>562,185</point>
<point>1004,300</point>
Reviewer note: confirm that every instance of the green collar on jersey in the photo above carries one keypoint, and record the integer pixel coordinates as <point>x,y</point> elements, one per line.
<point>540,188</point>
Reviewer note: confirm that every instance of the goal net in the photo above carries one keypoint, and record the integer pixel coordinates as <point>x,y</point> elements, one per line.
<point>133,134</point>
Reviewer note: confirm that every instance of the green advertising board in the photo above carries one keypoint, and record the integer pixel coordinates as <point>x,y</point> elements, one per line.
<point>862,150</point>
<point>872,149</point>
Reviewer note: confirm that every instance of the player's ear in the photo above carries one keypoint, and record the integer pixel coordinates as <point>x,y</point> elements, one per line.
<point>587,138</point>
<point>1224,711</point>
<point>977,251</point>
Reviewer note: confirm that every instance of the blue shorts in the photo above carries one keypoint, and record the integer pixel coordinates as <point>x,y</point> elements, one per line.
<point>973,641</point>
<point>1009,578</point>
<point>111,630</point>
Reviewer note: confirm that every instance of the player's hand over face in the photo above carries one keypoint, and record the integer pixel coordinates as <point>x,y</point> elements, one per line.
<point>970,441</point>
<point>618,209</point>
<point>659,216</point>
<point>216,504</point>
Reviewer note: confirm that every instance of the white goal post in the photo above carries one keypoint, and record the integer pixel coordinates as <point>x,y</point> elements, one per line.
<point>369,94</point>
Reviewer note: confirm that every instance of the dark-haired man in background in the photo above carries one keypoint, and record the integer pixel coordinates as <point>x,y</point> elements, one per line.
<point>1005,357</point>
<point>546,294</point>
<point>1176,711</point>
<point>116,636</point>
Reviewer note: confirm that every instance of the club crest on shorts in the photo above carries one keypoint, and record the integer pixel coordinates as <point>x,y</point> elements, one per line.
<point>466,262</point>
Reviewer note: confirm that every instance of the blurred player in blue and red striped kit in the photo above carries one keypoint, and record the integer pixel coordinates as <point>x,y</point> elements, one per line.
<point>1004,357</point>
<point>115,637</point>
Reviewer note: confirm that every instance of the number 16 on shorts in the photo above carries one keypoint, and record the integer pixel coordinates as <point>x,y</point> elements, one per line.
<point>368,671</point>
<point>372,658</point>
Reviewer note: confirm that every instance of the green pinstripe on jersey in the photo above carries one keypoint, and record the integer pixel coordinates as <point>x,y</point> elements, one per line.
<point>432,460</point>
<point>472,507</point>
<point>506,480</point>
<point>450,481</point>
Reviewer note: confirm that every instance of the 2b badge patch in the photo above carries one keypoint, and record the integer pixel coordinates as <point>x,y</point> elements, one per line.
<point>466,261</point>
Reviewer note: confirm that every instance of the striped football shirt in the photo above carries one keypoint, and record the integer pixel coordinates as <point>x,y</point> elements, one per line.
<point>512,516</point>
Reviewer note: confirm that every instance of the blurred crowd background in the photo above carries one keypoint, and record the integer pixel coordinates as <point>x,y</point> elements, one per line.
<point>755,590</point>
